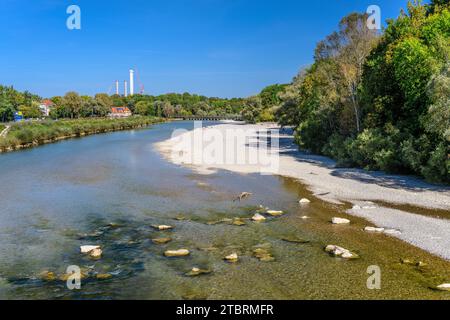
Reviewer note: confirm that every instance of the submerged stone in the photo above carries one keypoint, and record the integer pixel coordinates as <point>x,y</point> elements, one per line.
<point>304,201</point>
<point>263,255</point>
<point>295,240</point>
<point>103,276</point>
<point>47,276</point>
<point>161,240</point>
<point>444,287</point>
<point>88,249</point>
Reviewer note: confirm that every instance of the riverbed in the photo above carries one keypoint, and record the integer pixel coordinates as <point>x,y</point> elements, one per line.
<point>110,189</point>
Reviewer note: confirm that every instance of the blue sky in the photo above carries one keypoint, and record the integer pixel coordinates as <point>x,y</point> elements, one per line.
<point>224,48</point>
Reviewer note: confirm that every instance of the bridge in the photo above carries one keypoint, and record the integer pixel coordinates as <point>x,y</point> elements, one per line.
<point>210,118</point>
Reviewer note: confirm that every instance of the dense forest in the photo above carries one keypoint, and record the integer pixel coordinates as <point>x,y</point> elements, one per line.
<point>380,101</point>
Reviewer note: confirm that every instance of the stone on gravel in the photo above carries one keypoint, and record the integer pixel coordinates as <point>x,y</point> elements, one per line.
<point>444,287</point>
<point>162,227</point>
<point>232,258</point>
<point>340,221</point>
<point>373,229</point>
<point>258,218</point>
<point>275,213</point>
<point>340,252</point>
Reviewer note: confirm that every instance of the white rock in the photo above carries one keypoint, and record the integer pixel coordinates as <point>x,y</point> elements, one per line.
<point>444,287</point>
<point>232,257</point>
<point>356,207</point>
<point>340,221</point>
<point>258,218</point>
<point>162,227</point>
<point>305,217</point>
<point>275,213</point>
<point>177,253</point>
<point>369,207</point>
<point>347,255</point>
<point>392,232</point>
<point>373,229</point>
<point>304,201</point>
<point>87,249</point>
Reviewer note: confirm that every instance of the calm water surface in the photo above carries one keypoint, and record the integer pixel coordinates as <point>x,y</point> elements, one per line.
<point>57,197</point>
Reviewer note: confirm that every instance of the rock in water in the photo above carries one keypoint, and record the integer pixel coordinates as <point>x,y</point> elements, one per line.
<point>232,258</point>
<point>263,255</point>
<point>444,287</point>
<point>197,272</point>
<point>340,252</point>
<point>304,201</point>
<point>96,253</point>
<point>340,221</point>
<point>103,276</point>
<point>275,213</point>
<point>47,276</point>
<point>238,222</point>
<point>177,253</point>
<point>258,218</point>
<point>162,227</point>
<point>161,240</point>
<point>87,249</point>
<point>373,229</point>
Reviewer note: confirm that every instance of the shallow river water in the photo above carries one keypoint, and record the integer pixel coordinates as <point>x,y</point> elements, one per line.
<point>110,189</point>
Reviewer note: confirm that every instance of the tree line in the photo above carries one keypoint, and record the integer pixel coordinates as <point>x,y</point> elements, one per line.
<point>378,100</point>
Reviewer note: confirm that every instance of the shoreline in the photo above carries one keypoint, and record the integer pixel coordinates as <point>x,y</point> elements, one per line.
<point>339,185</point>
<point>41,142</point>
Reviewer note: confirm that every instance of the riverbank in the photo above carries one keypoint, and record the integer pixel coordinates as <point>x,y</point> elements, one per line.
<point>362,189</point>
<point>31,134</point>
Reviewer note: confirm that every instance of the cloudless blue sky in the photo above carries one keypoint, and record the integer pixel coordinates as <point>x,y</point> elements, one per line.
<point>224,48</point>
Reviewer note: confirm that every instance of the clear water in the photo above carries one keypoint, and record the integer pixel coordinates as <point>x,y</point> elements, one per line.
<point>57,197</point>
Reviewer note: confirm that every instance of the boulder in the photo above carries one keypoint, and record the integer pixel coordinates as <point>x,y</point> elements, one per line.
<point>444,287</point>
<point>87,249</point>
<point>161,240</point>
<point>232,258</point>
<point>238,222</point>
<point>162,227</point>
<point>340,252</point>
<point>340,221</point>
<point>373,229</point>
<point>275,213</point>
<point>304,201</point>
<point>177,253</point>
<point>258,218</point>
<point>197,272</point>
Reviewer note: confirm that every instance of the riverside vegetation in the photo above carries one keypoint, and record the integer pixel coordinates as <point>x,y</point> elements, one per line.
<point>29,134</point>
<point>376,100</point>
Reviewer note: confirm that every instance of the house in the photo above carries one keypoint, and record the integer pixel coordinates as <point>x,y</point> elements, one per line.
<point>120,112</point>
<point>46,106</point>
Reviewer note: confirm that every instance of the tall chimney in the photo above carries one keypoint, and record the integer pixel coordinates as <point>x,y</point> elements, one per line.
<point>125,88</point>
<point>131,82</point>
<point>117,87</point>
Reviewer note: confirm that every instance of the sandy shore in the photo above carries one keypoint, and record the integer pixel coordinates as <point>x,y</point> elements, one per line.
<point>327,182</point>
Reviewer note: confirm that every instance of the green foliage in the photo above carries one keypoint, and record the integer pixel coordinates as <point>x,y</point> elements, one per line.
<point>26,133</point>
<point>391,114</point>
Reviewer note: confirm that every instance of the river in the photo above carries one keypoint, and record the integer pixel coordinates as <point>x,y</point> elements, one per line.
<point>110,189</point>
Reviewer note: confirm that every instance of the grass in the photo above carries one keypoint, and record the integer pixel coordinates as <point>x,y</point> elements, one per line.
<point>35,133</point>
